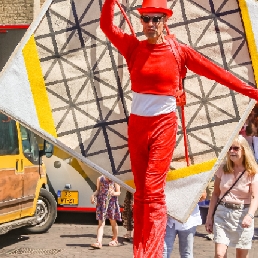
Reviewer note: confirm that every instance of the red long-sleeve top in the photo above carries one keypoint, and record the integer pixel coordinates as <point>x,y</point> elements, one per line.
<point>153,67</point>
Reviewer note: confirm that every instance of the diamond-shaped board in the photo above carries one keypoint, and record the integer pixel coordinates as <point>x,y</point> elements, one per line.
<point>78,90</point>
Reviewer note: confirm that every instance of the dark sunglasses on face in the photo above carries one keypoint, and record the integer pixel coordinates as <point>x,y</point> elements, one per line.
<point>154,19</point>
<point>234,148</point>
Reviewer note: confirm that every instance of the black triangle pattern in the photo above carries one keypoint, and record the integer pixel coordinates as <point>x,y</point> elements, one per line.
<point>82,36</point>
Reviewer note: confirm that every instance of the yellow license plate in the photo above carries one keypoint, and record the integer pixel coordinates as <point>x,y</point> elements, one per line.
<point>68,198</point>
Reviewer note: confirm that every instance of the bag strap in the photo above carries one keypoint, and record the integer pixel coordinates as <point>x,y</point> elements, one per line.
<point>175,49</point>
<point>231,187</point>
<point>219,201</point>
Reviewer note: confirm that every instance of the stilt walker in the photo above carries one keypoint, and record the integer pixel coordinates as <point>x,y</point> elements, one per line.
<point>155,79</point>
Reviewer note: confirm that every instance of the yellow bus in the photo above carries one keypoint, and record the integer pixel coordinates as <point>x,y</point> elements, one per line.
<point>24,197</point>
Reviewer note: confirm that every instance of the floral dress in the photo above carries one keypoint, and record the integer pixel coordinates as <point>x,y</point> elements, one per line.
<point>128,211</point>
<point>107,206</point>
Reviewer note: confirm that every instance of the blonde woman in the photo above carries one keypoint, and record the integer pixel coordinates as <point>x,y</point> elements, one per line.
<point>233,221</point>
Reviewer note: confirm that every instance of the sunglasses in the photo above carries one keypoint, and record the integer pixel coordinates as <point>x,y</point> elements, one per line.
<point>154,19</point>
<point>234,148</point>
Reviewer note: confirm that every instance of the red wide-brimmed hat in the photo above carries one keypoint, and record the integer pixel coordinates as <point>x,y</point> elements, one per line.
<point>155,6</point>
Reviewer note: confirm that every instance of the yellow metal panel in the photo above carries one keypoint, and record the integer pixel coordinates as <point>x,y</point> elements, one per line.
<point>184,172</point>
<point>38,87</point>
<point>250,37</point>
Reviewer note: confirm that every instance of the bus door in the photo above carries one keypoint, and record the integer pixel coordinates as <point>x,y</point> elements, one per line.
<point>32,167</point>
<point>11,170</point>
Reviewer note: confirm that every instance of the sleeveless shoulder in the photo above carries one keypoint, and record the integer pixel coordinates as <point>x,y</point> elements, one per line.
<point>219,172</point>
<point>255,178</point>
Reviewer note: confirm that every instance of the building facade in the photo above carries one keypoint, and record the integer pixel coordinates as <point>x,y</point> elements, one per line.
<point>15,12</point>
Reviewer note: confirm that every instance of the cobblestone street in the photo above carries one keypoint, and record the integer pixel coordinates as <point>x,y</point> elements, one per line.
<point>73,240</point>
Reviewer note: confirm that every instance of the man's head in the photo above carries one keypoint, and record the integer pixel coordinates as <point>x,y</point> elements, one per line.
<point>153,24</point>
<point>154,14</point>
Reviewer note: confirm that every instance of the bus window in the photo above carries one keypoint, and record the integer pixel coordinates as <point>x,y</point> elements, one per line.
<point>8,136</point>
<point>29,145</point>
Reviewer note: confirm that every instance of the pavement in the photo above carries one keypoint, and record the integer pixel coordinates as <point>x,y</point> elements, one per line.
<point>66,239</point>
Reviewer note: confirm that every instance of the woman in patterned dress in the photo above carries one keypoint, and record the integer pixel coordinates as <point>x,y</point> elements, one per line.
<point>107,207</point>
<point>128,215</point>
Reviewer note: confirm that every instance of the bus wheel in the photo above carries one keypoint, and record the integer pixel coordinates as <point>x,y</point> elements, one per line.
<point>46,212</point>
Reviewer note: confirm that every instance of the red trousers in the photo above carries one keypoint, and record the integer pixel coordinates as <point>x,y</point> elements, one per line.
<point>151,145</point>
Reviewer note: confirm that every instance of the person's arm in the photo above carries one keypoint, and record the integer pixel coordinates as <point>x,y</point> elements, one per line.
<point>203,66</point>
<point>122,41</point>
<point>95,193</point>
<point>213,202</point>
<point>247,221</point>
<point>117,190</point>
<point>203,197</point>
